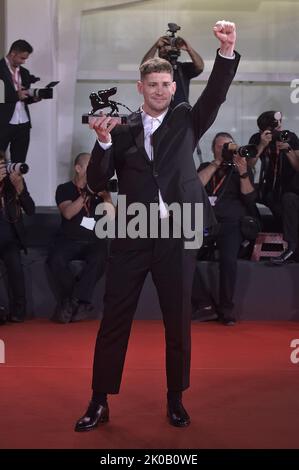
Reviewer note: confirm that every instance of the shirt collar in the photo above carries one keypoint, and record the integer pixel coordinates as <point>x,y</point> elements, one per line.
<point>9,66</point>
<point>146,118</point>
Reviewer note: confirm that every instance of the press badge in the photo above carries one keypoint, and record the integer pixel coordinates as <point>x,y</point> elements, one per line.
<point>88,222</point>
<point>212,200</point>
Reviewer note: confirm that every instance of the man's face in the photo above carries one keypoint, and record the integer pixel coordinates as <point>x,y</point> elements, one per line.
<point>279,125</point>
<point>157,89</point>
<point>18,58</point>
<point>220,141</point>
<point>82,166</point>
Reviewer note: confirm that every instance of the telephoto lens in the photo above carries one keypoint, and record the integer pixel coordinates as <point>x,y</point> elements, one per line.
<point>21,168</point>
<point>281,136</point>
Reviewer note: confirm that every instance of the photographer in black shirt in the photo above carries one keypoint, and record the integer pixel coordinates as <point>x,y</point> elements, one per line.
<point>76,240</point>
<point>229,185</point>
<point>183,72</point>
<point>14,198</point>
<point>278,150</point>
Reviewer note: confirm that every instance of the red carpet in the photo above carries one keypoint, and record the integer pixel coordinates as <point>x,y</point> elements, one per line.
<point>244,391</point>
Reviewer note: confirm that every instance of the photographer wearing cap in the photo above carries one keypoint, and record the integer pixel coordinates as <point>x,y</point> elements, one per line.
<point>14,198</point>
<point>278,150</point>
<point>169,48</point>
<point>76,240</point>
<point>229,184</point>
<point>15,121</point>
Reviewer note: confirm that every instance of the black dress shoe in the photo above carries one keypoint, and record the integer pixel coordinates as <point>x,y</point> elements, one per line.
<point>285,256</point>
<point>15,319</point>
<point>94,415</point>
<point>229,321</point>
<point>203,314</point>
<point>177,415</point>
<point>3,315</point>
<point>82,312</point>
<point>64,311</point>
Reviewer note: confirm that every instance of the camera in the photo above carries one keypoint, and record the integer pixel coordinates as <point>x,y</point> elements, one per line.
<point>21,168</point>
<point>230,149</point>
<point>100,100</point>
<point>174,42</point>
<point>281,136</point>
<point>41,93</point>
<point>33,79</point>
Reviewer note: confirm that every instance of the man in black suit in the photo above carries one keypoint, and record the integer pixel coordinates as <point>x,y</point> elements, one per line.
<point>153,159</point>
<point>15,121</point>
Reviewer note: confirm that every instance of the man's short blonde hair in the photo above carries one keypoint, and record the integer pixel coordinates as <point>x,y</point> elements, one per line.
<point>155,65</point>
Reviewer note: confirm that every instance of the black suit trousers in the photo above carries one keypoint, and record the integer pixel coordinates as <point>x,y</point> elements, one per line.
<point>228,240</point>
<point>62,252</point>
<point>18,137</point>
<point>11,256</point>
<point>172,270</point>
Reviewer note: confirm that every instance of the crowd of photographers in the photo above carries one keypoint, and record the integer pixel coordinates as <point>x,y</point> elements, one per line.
<point>228,180</point>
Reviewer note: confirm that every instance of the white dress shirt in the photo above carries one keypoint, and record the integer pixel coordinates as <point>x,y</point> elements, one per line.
<point>150,124</point>
<point>19,116</point>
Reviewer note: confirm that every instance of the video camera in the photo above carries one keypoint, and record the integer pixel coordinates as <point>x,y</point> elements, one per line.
<point>230,149</point>
<point>41,93</point>
<point>20,168</point>
<point>100,100</point>
<point>174,42</point>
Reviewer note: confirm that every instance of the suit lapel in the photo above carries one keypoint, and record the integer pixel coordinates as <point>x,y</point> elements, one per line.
<point>6,72</point>
<point>159,135</point>
<point>137,131</point>
<point>136,128</point>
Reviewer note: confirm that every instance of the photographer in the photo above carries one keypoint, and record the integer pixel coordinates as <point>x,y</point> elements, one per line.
<point>13,198</point>
<point>14,112</point>
<point>169,48</point>
<point>229,184</point>
<point>76,240</point>
<point>279,178</point>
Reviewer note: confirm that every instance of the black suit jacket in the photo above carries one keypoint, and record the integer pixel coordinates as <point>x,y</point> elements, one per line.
<point>172,170</point>
<point>11,95</point>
